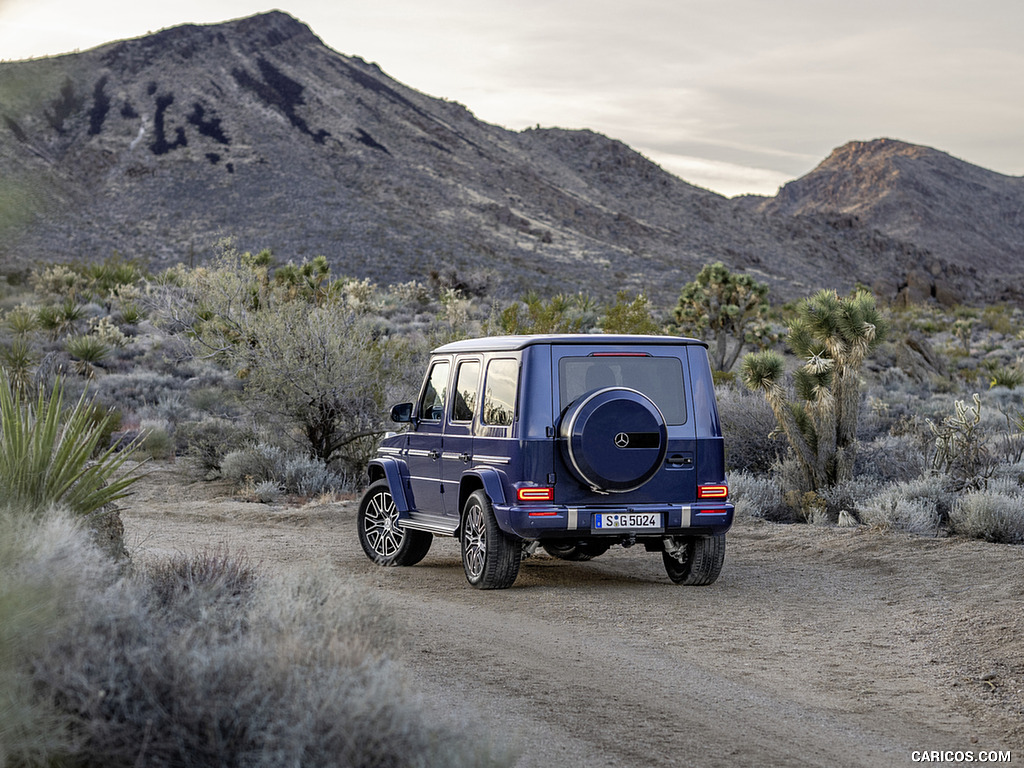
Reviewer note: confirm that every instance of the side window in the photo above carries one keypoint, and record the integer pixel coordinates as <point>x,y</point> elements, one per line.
<point>464,402</point>
<point>432,404</point>
<point>500,392</point>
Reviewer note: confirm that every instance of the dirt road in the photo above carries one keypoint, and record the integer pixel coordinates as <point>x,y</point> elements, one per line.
<point>817,646</point>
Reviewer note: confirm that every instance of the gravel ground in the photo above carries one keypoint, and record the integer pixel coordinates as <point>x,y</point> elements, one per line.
<point>816,646</point>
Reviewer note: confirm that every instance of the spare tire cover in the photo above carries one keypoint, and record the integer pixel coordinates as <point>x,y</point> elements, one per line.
<point>614,439</point>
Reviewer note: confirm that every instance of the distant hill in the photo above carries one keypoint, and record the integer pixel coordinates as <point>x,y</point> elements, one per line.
<point>158,146</point>
<point>967,216</point>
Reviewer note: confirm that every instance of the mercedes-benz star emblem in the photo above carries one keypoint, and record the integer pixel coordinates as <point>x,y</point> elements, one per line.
<point>622,440</point>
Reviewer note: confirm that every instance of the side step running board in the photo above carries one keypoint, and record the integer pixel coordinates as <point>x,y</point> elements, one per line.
<point>440,526</point>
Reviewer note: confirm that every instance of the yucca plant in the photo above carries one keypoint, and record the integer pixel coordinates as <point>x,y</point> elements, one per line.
<point>60,320</point>
<point>87,351</point>
<point>18,359</point>
<point>132,313</point>
<point>21,321</point>
<point>46,452</point>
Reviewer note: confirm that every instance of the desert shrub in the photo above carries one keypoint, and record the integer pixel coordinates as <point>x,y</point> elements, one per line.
<point>217,400</point>
<point>157,442</point>
<point>43,560</point>
<point>204,661</point>
<point>267,491</point>
<point>999,318</point>
<point>311,362</point>
<point>848,496</point>
<point>298,474</point>
<point>989,515</point>
<point>188,584</point>
<point>47,453</point>
<point>135,390</point>
<point>891,458</point>
<point>308,476</point>
<point>562,313</point>
<point>207,442</point>
<point>254,463</point>
<point>758,497</point>
<point>753,442</point>
<point>918,506</point>
<point>629,315</point>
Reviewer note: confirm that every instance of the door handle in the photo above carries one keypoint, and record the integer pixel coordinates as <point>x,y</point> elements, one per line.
<point>434,454</point>
<point>466,457</point>
<point>681,460</point>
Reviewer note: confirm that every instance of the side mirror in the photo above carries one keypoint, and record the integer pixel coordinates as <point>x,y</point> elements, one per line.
<point>402,413</point>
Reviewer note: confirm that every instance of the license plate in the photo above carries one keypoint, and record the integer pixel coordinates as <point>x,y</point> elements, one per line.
<point>631,521</point>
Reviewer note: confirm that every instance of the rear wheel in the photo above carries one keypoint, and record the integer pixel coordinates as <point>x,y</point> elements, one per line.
<point>489,556</point>
<point>578,550</point>
<point>382,536</point>
<point>695,561</point>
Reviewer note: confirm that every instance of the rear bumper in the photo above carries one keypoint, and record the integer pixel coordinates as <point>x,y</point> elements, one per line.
<point>550,521</point>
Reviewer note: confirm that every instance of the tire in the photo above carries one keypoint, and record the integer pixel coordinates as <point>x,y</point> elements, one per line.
<point>614,440</point>
<point>490,557</point>
<point>702,561</point>
<point>382,537</point>
<point>578,550</point>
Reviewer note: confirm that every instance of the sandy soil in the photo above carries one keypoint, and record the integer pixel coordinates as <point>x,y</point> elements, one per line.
<point>817,646</point>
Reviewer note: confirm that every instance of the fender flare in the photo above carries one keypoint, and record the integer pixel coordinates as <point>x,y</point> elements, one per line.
<point>396,473</point>
<point>492,482</point>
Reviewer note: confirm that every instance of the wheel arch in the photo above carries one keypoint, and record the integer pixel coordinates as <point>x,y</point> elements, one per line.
<point>395,472</point>
<point>489,481</point>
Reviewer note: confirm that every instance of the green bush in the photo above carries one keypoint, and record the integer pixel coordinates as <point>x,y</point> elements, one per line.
<point>628,315</point>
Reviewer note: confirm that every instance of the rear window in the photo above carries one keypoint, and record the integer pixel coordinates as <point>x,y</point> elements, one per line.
<point>500,392</point>
<point>660,378</point>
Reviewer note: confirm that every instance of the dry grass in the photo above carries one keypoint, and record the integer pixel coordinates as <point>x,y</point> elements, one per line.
<point>200,661</point>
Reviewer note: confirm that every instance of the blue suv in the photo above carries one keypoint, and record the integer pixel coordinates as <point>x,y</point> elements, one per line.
<point>570,442</point>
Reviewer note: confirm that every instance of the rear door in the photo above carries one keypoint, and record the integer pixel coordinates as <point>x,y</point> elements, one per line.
<point>659,372</point>
<point>461,419</point>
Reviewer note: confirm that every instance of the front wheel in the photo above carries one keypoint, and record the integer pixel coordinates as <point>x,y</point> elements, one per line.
<point>489,556</point>
<point>383,538</point>
<point>695,561</point>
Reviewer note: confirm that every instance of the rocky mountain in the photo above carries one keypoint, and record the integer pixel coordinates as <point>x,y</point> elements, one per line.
<point>254,129</point>
<point>970,217</point>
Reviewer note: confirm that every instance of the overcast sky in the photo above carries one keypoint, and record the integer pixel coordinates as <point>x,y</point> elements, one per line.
<point>734,95</point>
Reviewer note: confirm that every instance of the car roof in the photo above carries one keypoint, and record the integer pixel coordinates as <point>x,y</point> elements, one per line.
<point>508,343</point>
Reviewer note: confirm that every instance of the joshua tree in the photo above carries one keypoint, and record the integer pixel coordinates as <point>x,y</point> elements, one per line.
<point>727,306</point>
<point>832,336</point>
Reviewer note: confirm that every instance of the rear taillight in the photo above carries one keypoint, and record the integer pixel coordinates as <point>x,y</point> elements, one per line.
<point>533,493</point>
<point>718,492</point>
